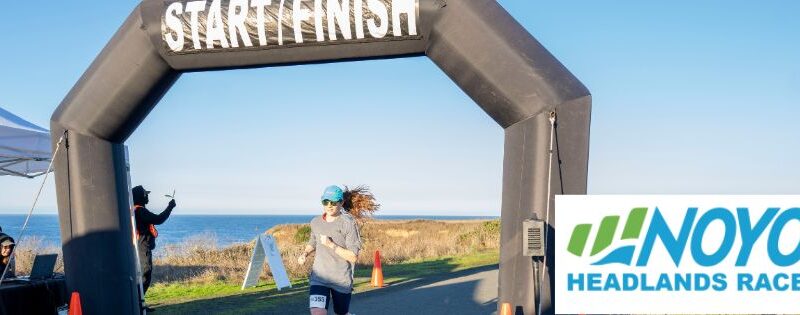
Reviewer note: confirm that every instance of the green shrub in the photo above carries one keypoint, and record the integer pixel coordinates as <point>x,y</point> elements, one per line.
<point>492,227</point>
<point>303,234</point>
<point>465,238</point>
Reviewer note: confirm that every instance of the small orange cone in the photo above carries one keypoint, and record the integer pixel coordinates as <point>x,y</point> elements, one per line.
<point>377,271</point>
<point>75,304</point>
<point>505,309</point>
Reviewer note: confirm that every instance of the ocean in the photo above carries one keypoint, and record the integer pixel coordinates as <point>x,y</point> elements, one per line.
<point>224,229</point>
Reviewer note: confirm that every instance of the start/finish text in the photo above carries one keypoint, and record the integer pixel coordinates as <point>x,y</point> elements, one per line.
<point>196,26</point>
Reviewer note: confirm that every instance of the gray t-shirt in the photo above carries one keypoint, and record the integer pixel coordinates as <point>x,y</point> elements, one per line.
<point>330,269</point>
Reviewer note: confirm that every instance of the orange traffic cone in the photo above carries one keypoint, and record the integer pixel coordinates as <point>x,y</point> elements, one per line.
<point>505,309</point>
<point>377,271</point>
<point>75,304</point>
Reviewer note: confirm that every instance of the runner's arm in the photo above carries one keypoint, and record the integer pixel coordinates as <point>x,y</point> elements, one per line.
<point>344,253</point>
<point>352,243</point>
<point>311,246</point>
<point>341,251</point>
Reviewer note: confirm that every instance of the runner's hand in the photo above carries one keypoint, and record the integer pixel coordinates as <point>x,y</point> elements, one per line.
<point>326,240</point>
<point>301,259</point>
<point>172,203</point>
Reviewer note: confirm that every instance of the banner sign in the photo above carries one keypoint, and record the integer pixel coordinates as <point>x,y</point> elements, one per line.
<point>221,25</point>
<point>266,248</point>
<point>677,254</point>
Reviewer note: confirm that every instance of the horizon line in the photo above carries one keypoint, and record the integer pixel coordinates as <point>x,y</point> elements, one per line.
<point>277,214</point>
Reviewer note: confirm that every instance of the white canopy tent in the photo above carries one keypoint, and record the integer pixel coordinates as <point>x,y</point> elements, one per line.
<point>24,147</point>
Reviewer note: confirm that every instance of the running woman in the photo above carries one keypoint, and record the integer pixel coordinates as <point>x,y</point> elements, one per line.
<point>336,241</point>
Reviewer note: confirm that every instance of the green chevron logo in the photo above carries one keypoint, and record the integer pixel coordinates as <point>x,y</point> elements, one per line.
<point>605,237</point>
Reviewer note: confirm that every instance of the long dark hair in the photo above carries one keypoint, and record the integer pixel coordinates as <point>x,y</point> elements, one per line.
<point>6,259</point>
<point>360,202</point>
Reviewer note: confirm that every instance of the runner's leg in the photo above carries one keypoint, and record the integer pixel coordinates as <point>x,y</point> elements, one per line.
<point>341,302</point>
<point>318,297</point>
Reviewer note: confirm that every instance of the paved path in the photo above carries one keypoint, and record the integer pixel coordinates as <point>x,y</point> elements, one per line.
<point>471,291</point>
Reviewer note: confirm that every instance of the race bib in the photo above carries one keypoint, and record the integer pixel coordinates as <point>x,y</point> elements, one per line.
<point>317,301</point>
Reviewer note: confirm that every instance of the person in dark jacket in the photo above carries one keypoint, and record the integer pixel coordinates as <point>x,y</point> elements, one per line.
<point>6,250</point>
<point>146,232</point>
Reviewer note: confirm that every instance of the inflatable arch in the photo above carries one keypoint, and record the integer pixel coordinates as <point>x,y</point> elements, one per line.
<point>476,43</point>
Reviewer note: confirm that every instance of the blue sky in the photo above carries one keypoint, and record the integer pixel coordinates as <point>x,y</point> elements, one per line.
<point>688,98</point>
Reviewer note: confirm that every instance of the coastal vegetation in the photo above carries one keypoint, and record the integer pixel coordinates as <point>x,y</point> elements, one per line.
<point>197,269</point>
<point>198,260</point>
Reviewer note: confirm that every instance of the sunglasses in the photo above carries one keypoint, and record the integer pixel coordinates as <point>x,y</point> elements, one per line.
<point>329,202</point>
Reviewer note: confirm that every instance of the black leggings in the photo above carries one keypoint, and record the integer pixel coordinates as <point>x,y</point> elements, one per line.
<point>341,301</point>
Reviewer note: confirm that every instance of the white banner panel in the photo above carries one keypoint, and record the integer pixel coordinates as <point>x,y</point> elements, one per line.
<point>687,254</point>
<point>275,262</point>
<point>266,250</point>
<point>256,263</point>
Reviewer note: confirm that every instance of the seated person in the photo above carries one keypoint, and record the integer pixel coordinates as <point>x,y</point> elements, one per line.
<point>6,248</point>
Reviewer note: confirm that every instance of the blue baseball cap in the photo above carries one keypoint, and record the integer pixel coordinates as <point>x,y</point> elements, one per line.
<point>333,193</point>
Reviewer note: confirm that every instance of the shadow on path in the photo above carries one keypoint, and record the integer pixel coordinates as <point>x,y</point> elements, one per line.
<point>472,291</point>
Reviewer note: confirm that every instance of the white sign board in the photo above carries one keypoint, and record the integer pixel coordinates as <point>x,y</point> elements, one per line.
<point>256,263</point>
<point>266,249</point>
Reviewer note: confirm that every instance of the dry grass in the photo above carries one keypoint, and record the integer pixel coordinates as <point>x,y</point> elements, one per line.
<point>403,241</point>
<point>398,242</point>
<point>27,250</point>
